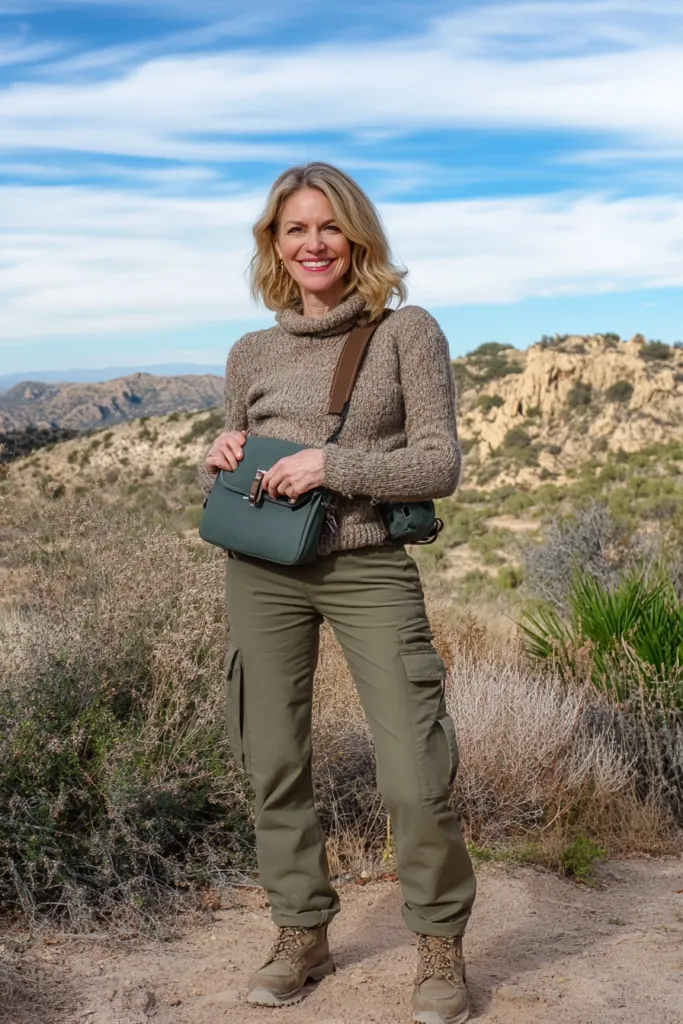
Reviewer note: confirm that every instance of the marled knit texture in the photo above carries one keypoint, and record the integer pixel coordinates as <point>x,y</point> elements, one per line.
<point>399,442</point>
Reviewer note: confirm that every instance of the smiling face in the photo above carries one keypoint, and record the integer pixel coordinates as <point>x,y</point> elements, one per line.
<point>312,247</point>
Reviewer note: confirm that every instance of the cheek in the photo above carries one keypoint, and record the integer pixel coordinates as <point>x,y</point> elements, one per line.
<point>288,248</point>
<point>344,257</point>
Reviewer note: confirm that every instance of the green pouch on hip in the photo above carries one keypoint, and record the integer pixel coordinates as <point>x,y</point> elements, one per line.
<point>411,522</point>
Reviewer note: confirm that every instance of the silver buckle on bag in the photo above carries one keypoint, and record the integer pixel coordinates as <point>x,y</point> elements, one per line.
<point>256,490</point>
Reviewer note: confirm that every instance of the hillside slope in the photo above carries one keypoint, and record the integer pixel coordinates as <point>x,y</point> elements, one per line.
<point>543,431</point>
<point>88,406</point>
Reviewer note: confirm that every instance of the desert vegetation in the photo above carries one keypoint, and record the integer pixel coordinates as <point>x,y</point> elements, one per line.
<point>119,798</point>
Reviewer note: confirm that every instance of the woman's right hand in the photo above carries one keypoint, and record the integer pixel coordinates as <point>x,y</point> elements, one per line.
<point>225,452</point>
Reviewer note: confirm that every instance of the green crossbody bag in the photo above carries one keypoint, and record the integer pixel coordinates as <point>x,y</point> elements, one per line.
<point>239,516</point>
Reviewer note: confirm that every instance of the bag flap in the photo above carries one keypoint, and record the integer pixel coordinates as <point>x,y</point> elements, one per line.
<point>260,453</point>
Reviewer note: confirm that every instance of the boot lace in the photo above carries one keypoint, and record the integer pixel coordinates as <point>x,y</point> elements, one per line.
<point>438,957</point>
<point>287,944</point>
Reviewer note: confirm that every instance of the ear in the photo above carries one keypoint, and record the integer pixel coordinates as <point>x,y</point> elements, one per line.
<point>278,250</point>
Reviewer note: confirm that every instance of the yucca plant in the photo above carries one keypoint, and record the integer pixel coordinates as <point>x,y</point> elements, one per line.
<point>614,631</point>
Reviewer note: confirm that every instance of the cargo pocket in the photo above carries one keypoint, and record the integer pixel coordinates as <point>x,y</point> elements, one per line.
<point>434,732</point>
<point>234,705</point>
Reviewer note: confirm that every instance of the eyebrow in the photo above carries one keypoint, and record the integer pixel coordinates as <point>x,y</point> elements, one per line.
<point>300,223</point>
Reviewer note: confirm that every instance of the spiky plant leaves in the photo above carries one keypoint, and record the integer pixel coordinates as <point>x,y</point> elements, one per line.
<point>624,628</point>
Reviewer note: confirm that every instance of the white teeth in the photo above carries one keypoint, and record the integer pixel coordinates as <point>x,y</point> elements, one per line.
<point>316,263</point>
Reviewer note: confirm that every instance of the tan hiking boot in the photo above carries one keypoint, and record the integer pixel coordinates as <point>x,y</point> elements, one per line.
<point>298,955</point>
<point>440,993</point>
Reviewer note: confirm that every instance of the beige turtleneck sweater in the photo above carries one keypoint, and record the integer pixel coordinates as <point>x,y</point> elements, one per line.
<point>399,442</point>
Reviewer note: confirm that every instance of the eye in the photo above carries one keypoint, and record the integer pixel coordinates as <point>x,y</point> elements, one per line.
<point>294,230</point>
<point>334,228</point>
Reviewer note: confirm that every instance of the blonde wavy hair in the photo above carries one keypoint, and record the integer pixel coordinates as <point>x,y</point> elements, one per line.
<point>371,273</point>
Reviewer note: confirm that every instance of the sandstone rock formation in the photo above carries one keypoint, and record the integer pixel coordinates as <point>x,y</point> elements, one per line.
<point>569,399</point>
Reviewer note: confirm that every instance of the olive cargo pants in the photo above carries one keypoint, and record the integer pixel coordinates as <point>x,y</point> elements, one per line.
<point>374,602</point>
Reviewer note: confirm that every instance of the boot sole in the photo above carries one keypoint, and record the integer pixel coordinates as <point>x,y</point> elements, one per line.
<point>262,997</point>
<point>432,1017</point>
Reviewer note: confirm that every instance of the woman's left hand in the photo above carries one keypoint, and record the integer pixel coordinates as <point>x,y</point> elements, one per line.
<point>296,474</point>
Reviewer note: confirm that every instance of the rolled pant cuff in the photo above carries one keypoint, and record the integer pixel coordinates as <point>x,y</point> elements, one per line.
<point>309,919</point>
<point>436,928</point>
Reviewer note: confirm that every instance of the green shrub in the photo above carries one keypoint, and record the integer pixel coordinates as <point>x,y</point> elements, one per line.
<point>518,502</point>
<point>208,427</point>
<point>489,362</point>
<point>488,473</point>
<point>510,577</point>
<point>488,402</point>
<point>470,496</point>
<point>579,858</point>
<point>580,395</point>
<point>655,351</point>
<point>620,391</point>
<point>461,524</point>
<point>461,376</point>
<point>516,437</point>
<point>487,349</point>
<point>517,445</point>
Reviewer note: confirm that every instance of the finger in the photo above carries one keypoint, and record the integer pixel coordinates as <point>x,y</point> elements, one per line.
<point>285,487</point>
<point>272,479</point>
<point>232,454</point>
<point>274,484</point>
<point>235,445</point>
<point>223,461</point>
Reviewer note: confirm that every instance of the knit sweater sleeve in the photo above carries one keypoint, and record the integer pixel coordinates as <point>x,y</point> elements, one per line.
<point>235,404</point>
<point>429,465</point>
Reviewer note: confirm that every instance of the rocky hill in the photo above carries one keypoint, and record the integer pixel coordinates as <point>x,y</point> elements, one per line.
<point>91,406</point>
<point>531,416</point>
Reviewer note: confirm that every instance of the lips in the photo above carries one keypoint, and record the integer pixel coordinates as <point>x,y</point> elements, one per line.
<point>316,266</point>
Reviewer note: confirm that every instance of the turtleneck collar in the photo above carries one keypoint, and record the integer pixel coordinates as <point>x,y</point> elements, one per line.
<point>337,321</point>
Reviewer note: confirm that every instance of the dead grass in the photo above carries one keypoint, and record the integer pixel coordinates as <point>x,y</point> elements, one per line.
<point>538,768</point>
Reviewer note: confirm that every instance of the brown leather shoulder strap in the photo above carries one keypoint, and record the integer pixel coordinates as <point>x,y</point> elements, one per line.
<point>349,365</point>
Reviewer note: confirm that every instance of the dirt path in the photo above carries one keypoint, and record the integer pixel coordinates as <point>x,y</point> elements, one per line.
<point>540,950</point>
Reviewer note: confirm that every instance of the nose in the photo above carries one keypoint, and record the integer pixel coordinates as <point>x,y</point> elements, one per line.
<point>315,242</point>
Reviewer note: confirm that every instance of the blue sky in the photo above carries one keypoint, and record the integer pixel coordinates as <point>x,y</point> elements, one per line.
<point>526,157</point>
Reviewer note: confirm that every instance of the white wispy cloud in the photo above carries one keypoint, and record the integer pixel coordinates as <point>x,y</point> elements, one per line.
<point>18,48</point>
<point>551,27</point>
<point>459,74</point>
<point>78,262</point>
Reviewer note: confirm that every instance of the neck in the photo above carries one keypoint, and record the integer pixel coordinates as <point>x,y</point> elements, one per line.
<point>317,304</point>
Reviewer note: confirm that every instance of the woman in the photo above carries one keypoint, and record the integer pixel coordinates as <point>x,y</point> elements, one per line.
<point>322,262</point>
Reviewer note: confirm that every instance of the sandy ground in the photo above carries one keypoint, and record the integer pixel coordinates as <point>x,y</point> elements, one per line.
<point>540,950</point>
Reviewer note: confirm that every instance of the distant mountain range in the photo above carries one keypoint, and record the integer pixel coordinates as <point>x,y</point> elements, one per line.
<point>8,380</point>
<point>87,406</point>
